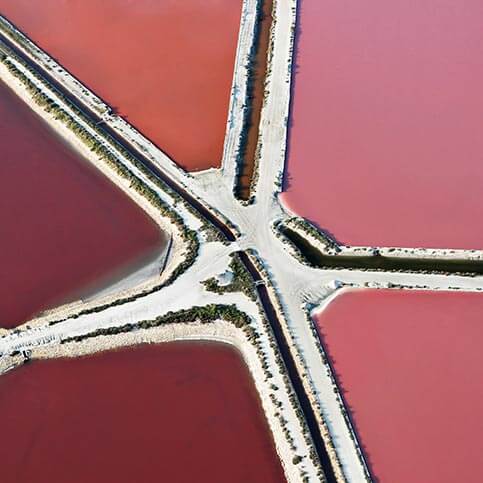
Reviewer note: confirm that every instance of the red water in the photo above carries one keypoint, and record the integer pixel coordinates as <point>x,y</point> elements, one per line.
<point>411,367</point>
<point>386,146</point>
<point>63,225</point>
<point>179,412</point>
<point>166,66</point>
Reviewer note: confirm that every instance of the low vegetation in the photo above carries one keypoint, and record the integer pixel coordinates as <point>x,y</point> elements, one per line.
<point>241,282</point>
<point>203,315</point>
<point>315,233</point>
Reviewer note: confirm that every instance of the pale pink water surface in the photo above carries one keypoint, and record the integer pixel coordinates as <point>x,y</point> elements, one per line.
<point>386,142</point>
<point>410,365</point>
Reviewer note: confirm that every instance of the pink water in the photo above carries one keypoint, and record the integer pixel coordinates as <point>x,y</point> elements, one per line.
<point>410,365</point>
<point>386,143</point>
<point>65,229</point>
<point>166,66</point>
<point>174,413</point>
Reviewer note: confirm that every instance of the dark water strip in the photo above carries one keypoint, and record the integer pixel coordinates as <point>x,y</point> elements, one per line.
<point>255,93</point>
<point>316,258</point>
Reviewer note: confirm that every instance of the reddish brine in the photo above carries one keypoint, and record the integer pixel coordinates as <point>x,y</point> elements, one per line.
<point>177,412</point>
<point>165,66</point>
<point>385,143</point>
<point>65,228</point>
<point>410,367</point>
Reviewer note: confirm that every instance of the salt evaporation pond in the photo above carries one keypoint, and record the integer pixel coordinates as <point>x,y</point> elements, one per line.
<point>166,66</point>
<point>385,145</point>
<point>410,365</point>
<point>64,226</point>
<point>177,412</point>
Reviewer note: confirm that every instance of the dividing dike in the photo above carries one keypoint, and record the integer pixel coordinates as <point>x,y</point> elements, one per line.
<point>314,257</point>
<point>291,367</point>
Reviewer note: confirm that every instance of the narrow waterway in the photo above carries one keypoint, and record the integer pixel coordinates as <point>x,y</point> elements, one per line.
<point>314,257</point>
<point>256,90</point>
<point>292,371</point>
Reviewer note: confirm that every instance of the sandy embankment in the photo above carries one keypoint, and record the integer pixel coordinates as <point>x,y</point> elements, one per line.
<point>8,363</point>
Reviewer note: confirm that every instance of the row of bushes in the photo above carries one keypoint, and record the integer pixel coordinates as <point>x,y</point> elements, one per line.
<point>204,315</point>
<point>294,402</point>
<point>242,281</point>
